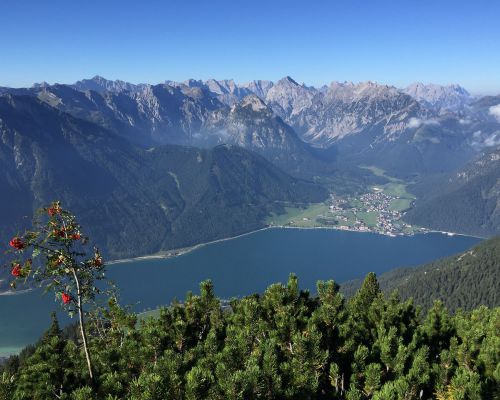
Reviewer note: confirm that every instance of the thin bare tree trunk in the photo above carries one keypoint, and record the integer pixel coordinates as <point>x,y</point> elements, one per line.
<point>82,327</point>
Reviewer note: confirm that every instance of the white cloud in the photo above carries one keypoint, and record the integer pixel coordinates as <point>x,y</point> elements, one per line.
<point>431,122</point>
<point>480,139</point>
<point>414,122</point>
<point>493,140</point>
<point>495,111</point>
<point>417,122</point>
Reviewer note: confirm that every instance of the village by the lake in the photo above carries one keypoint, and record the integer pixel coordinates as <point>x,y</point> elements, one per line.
<point>380,209</point>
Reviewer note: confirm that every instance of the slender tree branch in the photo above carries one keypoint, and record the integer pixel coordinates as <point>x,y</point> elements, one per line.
<point>82,326</point>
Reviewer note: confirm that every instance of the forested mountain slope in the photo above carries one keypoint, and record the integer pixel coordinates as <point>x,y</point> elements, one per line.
<point>225,191</point>
<point>465,281</point>
<point>467,201</point>
<point>133,201</point>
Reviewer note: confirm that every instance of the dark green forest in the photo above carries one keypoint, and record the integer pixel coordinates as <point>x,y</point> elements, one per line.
<point>464,201</point>
<point>283,344</point>
<point>133,198</point>
<point>466,281</point>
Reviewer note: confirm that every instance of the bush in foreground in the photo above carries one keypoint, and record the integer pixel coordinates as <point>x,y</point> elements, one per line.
<point>283,344</point>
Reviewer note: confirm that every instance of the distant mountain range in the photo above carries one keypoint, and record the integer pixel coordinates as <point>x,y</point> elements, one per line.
<point>440,98</point>
<point>420,133</point>
<point>465,281</point>
<point>401,129</point>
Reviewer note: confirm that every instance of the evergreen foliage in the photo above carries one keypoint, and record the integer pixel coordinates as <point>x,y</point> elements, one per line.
<point>464,201</point>
<point>134,201</point>
<point>283,344</point>
<point>466,281</point>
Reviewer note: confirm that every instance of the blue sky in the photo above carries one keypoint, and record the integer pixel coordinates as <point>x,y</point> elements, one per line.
<point>395,42</point>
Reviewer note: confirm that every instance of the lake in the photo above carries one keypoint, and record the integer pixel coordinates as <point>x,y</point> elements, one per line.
<point>239,267</point>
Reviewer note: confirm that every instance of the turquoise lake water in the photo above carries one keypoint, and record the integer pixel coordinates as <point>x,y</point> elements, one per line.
<point>239,267</point>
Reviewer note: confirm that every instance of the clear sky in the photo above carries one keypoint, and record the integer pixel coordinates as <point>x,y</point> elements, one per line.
<point>395,42</point>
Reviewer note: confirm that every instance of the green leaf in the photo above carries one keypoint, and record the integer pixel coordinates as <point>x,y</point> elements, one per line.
<point>36,252</point>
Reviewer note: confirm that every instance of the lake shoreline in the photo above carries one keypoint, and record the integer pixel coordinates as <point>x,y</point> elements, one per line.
<point>239,268</point>
<point>181,251</point>
<point>185,250</point>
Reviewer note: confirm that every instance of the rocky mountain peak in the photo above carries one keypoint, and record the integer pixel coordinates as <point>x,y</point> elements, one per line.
<point>192,83</point>
<point>258,87</point>
<point>98,78</point>
<point>287,80</point>
<point>254,102</point>
<point>439,97</point>
<point>288,98</point>
<point>41,85</point>
<point>100,84</point>
<point>222,86</point>
<point>349,92</point>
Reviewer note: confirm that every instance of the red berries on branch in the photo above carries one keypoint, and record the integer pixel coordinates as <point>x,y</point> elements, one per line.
<point>17,243</point>
<point>54,210</point>
<point>65,233</point>
<point>16,271</point>
<point>64,266</point>
<point>66,298</point>
<point>58,233</point>
<point>97,261</point>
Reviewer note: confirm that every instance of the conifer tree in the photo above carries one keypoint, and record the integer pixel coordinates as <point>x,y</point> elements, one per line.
<point>48,373</point>
<point>7,386</point>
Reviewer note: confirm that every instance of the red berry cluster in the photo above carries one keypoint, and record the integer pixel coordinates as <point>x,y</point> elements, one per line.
<point>16,270</point>
<point>66,298</point>
<point>54,210</point>
<point>17,243</point>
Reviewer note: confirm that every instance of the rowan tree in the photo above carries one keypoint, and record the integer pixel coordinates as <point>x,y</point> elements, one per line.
<point>53,254</point>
